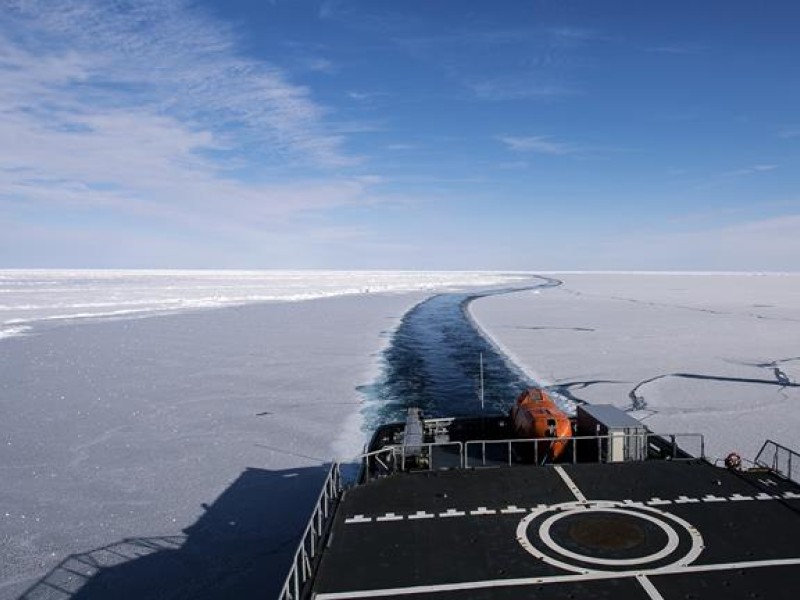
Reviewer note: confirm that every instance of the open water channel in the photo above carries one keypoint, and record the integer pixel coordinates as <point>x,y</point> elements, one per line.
<point>434,362</point>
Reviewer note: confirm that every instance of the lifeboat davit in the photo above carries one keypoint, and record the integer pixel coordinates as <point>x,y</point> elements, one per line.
<point>535,415</point>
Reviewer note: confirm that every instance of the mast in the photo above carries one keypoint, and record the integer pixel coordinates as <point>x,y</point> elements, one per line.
<point>482,394</point>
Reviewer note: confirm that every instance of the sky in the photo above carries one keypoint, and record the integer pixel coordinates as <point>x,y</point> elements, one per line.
<point>413,134</point>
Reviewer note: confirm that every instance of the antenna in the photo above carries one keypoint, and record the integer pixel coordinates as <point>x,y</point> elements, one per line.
<point>482,396</point>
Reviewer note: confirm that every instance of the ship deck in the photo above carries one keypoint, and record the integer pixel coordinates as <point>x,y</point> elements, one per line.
<point>654,530</point>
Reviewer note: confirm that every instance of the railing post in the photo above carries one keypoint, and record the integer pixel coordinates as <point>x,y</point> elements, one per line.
<point>483,454</point>
<point>789,474</point>
<point>509,453</point>
<point>674,447</point>
<point>296,581</point>
<point>313,538</point>
<point>574,451</point>
<point>536,452</point>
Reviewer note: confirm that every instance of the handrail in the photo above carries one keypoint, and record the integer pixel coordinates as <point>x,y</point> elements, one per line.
<point>644,437</point>
<point>301,569</point>
<point>399,454</point>
<point>781,462</point>
<point>430,446</point>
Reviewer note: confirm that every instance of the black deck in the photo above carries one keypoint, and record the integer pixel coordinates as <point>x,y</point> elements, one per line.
<point>655,530</point>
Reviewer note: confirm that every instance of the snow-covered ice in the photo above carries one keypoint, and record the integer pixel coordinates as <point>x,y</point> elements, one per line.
<point>711,353</point>
<point>30,296</point>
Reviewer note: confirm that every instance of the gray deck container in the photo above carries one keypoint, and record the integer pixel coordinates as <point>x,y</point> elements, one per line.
<point>627,439</point>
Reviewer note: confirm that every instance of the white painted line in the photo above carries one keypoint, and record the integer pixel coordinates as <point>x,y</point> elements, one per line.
<point>358,519</point>
<point>566,509</point>
<point>544,535</point>
<point>649,587</point>
<point>656,501</point>
<point>765,496</point>
<point>482,510</point>
<point>740,498</point>
<point>571,484</point>
<point>452,512</point>
<point>390,516</point>
<point>790,495</point>
<point>632,503</point>
<point>590,576</point>
<point>685,500</point>
<point>512,509</point>
<point>766,481</point>
<point>421,514</point>
<point>713,498</point>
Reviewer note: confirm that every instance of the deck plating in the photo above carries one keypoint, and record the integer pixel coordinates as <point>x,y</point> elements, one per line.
<point>684,527</point>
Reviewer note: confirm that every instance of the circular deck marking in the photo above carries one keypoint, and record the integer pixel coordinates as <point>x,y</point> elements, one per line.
<point>631,537</point>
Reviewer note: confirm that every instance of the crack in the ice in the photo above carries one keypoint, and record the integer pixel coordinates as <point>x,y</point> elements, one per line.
<point>565,389</point>
<point>553,328</point>
<point>639,402</point>
<point>684,307</point>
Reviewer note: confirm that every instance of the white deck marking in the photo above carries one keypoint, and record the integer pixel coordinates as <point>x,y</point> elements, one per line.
<point>713,498</point>
<point>656,501</point>
<point>740,498</point>
<point>571,484</point>
<point>766,481</point>
<point>514,509</point>
<point>593,576</point>
<point>358,519</point>
<point>390,516</point>
<point>482,510</point>
<point>649,587</point>
<point>685,500</point>
<point>421,514</point>
<point>765,496</point>
<point>547,539</point>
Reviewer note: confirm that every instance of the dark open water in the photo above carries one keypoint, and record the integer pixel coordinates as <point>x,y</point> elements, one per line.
<point>433,362</point>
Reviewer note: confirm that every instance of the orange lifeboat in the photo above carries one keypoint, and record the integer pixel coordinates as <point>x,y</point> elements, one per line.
<point>535,415</point>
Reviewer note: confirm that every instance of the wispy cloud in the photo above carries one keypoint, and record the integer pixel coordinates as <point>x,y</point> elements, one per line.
<point>542,58</point>
<point>515,88</point>
<point>148,108</point>
<point>787,134</point>
<point>680,49</point>
<point>753,170</point>
<point>539,144</point>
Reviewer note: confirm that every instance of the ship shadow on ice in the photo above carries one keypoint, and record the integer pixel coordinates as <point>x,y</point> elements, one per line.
<point>241,547</point>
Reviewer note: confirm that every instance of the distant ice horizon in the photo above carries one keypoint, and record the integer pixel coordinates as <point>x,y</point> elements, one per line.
<point>31,296</point>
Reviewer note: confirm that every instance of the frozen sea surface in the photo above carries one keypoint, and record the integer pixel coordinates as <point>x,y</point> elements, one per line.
<point>712,353</point>
<point>31,296</point>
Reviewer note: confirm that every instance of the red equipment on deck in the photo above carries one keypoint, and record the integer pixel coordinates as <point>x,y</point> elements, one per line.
<point>535,415</point>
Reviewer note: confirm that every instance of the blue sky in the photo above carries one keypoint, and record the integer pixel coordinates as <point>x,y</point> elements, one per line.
<point>536,134</point>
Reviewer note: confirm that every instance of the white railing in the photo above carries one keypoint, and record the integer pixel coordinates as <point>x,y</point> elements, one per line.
<point>302,569</point>
<point>636,446</point>
<point>434,455</point>
<point>780,459</point>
